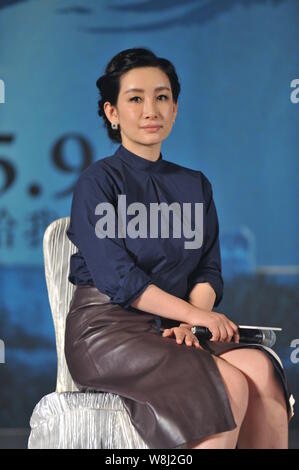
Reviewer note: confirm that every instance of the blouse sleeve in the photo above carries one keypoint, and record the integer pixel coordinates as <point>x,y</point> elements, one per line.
<point>110,264</point>
<point>209,267</point>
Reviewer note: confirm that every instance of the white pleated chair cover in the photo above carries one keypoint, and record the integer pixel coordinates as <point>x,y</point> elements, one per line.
<point>57,250</point>
<point>68,418</point>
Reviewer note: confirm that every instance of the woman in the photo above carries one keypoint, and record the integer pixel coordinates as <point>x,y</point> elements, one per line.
<point>134,278</point>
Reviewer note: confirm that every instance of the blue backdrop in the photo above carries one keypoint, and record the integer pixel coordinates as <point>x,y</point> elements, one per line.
<point>238,116</point>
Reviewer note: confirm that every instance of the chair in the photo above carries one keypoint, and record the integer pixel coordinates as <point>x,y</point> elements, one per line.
<point>68,418</point>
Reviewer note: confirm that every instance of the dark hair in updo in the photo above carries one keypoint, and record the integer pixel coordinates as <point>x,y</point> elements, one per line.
<point>109,83</point>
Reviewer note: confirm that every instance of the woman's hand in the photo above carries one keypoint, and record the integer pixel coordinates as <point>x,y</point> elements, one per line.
<point>186,325</point>
<point>182,333</point>
<point>221,327</point>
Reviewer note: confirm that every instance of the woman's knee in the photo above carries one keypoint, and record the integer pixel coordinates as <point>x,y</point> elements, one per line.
<point>237,387</point>
<point>256,366</point>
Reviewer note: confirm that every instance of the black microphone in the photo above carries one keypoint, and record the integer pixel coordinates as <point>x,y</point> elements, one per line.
<point>248,334</point>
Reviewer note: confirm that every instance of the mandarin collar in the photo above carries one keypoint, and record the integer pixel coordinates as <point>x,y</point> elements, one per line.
<point>137,162</point>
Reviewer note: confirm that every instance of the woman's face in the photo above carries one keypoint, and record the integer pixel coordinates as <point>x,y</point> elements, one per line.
<point>136,109</point>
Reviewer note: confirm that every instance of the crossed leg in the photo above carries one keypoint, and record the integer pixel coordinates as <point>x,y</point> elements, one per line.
<point>265,425</point>
<point>237,389</point>
<point>261,415</point>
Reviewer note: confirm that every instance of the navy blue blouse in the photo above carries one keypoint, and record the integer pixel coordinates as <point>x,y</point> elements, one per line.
<point>122,268</point>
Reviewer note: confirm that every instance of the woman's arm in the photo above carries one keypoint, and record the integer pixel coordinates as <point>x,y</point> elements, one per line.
<point>159,302</point>
<point>208,272</point>
<point>202,296</point>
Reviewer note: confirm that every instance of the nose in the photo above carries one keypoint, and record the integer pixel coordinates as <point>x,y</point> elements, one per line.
<point>149,108</point>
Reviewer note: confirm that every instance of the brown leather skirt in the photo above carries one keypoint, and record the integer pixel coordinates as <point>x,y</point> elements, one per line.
<point>174,393</point>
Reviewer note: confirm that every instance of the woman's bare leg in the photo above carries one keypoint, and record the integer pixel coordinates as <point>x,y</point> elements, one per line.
<point>238,393</point>
<point>265,425</point>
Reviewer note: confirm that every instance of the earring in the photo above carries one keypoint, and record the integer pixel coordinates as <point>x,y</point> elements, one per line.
<point>114,125</point>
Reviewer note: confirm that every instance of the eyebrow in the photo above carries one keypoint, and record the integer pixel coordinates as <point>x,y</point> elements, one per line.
<point>140,89</point>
